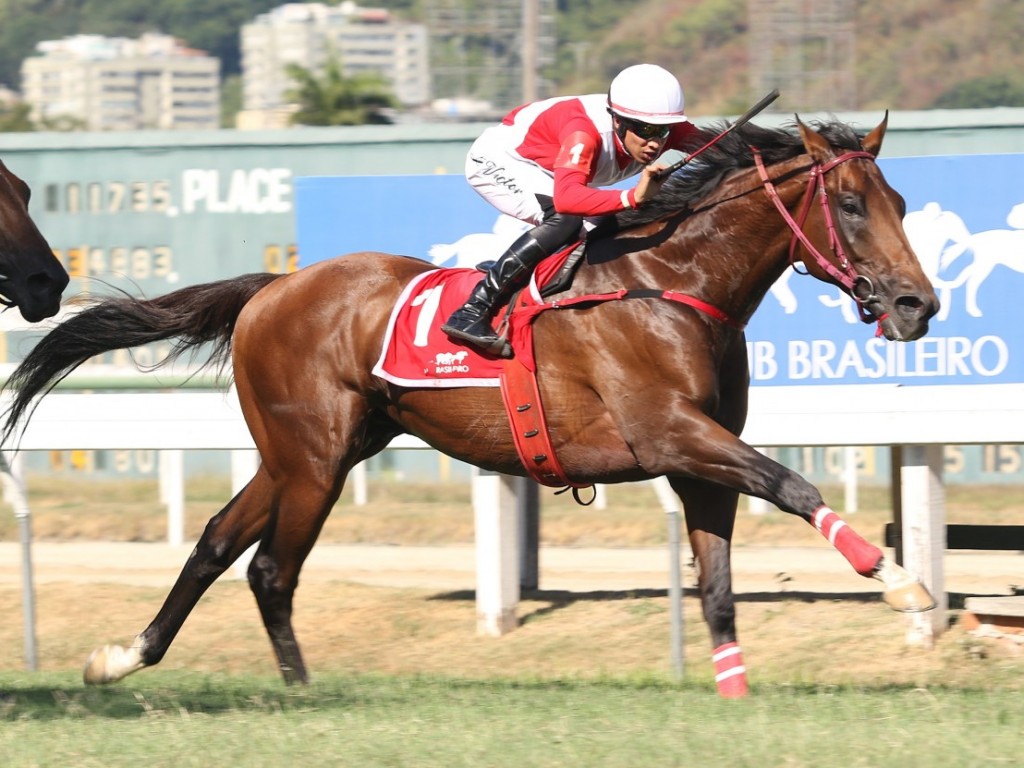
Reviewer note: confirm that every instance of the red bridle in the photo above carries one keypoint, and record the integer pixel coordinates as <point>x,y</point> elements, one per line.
<point>842,270</point>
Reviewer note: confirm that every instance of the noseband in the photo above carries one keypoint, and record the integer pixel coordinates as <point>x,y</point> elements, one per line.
<point>842,271</point>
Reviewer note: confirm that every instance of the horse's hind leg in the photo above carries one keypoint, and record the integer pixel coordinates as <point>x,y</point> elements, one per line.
<point>309,456</point>
<point>295,523</point>
<point>710,513</point>
<point>228,534</point>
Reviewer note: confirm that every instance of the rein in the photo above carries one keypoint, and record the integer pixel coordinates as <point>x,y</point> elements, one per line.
<point>528,312</point>
<point>844,273</point>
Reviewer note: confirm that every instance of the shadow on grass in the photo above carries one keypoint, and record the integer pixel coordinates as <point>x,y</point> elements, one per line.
<point>191,696</point>
<point>182,697</point>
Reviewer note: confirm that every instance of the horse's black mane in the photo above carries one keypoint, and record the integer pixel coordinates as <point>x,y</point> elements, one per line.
<point>731,153</point>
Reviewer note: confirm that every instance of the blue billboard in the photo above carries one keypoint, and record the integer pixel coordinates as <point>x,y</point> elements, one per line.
<point>438,218</point>
<point>965,220</point>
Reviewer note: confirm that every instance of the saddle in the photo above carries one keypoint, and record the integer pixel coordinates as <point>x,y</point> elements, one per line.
<point>416,353</point>
<point>561,278</point>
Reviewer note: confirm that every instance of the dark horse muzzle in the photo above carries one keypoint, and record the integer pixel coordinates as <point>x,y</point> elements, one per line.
<point>36,295</point>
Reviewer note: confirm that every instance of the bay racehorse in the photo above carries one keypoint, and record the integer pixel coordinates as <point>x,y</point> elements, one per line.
<point>652,384</point>
<point>31,277</point>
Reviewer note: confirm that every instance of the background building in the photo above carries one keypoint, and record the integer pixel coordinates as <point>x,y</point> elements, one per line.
<point>308,34</point>
<point>118,84</point>
<point>806,50</point>
<point>487,58</point>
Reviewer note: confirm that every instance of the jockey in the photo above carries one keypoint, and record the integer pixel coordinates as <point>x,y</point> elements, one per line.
<point>544,163</point>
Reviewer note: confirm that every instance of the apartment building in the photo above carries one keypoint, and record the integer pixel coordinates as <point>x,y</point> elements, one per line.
<point>119,84</point>
<point>307,34</point>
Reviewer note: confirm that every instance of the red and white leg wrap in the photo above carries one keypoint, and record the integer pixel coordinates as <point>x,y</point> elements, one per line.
<point>730,674</point>
<point>862,555</point>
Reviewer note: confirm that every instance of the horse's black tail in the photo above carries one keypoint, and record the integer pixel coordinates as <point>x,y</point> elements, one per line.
<point>193,315</point>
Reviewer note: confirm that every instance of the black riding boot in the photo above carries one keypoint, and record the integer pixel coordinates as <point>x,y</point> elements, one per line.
<point>472,321</point>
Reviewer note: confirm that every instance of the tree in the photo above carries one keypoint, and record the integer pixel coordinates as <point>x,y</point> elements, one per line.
<point>14,119</point>
<point>333,99</point>
<point>995,90</point>
<point>62,123</point>
<point>230,100</point>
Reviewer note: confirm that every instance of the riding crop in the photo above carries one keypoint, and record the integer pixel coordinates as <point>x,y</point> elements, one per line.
<point>742,119</point>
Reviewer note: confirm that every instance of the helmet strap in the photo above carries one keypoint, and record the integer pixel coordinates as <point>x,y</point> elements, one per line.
<point>617,124</point>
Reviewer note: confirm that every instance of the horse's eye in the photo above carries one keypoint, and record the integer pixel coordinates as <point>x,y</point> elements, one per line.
<point>850,206</point>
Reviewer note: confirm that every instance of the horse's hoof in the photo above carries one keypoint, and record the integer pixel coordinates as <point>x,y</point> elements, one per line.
<point>95,672</point>
<point>110,663</point>
<point>910,598</point>
<point>903,592</point>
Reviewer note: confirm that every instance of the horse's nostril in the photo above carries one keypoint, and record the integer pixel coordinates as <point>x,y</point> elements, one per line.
<point>39,284</point>
<point>909,305</point>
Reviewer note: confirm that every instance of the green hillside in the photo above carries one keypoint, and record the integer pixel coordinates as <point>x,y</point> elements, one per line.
<point>915,54</point>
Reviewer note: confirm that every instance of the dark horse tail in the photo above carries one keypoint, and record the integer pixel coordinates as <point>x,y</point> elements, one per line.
<point>194,315</point>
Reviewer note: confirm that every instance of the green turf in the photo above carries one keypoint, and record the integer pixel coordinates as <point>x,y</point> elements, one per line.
<point>422,722</point>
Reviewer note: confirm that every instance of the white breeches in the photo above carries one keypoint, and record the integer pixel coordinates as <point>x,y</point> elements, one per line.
<point>507,181</point>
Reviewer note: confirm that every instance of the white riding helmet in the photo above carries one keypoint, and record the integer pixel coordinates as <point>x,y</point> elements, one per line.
<point>648,93</point>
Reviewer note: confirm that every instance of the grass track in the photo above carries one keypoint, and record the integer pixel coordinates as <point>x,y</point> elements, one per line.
<point>359,713</point>
<point>373,720</point>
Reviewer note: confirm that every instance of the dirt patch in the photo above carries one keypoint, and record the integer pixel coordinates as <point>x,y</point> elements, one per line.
<point>351,627</point>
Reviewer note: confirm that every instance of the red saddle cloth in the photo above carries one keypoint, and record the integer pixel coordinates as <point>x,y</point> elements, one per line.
<point>417,353</point>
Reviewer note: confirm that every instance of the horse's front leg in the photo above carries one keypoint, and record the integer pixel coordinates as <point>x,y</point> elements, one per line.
<point>228,534</point>
<point>792,493</point>
<point>710,513</point>
<point>714,454</point>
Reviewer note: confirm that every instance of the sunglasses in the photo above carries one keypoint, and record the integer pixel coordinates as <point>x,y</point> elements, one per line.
<point>646,131</point>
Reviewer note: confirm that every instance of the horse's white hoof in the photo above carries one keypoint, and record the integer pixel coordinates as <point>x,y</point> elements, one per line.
<point>903,592</point>
<point>911,598</point>
<point>111,663</point>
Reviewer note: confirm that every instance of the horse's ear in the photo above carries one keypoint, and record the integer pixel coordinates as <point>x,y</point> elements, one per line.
<point>873,141</point>
<point>815,144</point>
<point>16,181</point>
